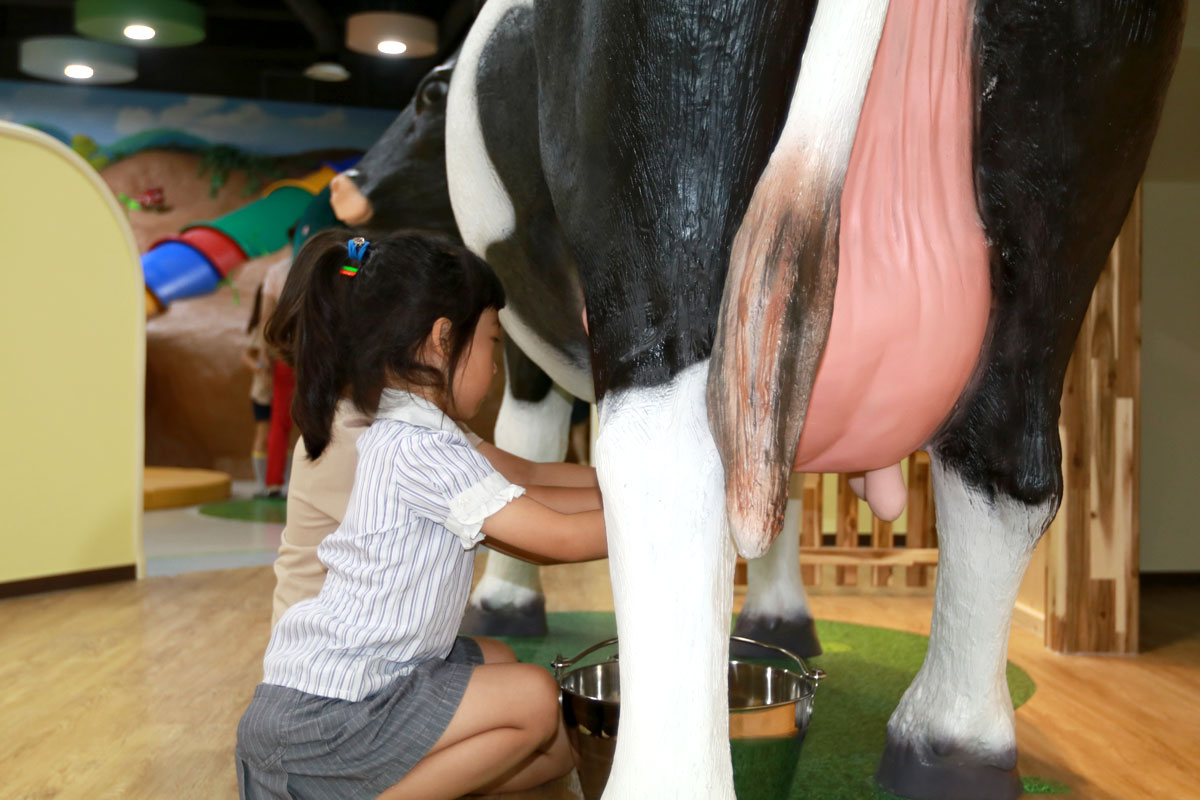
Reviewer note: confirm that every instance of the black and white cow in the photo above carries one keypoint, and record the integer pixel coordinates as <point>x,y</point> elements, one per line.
<point>810,235</point>
<point>401,183</point>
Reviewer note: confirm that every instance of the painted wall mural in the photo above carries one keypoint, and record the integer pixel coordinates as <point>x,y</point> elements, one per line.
<point>216,184</point>
<point>123,121</point>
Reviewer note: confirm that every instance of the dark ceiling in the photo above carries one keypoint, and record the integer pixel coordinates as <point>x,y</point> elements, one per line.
<point>258,49</point>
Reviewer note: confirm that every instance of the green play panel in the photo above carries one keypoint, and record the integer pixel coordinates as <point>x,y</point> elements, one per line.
<point>869,669</point>
<point>252,510</point>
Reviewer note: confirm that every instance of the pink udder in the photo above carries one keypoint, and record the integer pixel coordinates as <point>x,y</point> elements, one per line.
<point>913,291</point>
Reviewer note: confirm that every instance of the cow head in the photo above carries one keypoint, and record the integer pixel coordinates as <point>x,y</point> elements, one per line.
<point>401,181</point>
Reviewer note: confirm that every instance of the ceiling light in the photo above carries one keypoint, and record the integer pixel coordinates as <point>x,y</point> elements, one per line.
<point>392,33</point>
<point>169,23</point>
<point>330,71</point>
<point>78,71</point>
<point>64,58</point>
<point>141,33</point>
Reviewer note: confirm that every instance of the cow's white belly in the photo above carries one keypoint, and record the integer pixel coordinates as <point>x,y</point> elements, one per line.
<point>913,292</point>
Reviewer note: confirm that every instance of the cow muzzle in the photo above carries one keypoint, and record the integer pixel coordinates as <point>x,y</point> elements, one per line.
<point>349,203</point>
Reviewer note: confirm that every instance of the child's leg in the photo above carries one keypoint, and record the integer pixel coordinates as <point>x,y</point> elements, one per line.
<point>284,383</point>
<point>261,429</point>
<point>258,454</point>
<point>506,736</point>
<point>495,651</point>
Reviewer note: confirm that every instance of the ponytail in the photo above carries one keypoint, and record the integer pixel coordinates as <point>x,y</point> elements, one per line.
<point>305,331</point>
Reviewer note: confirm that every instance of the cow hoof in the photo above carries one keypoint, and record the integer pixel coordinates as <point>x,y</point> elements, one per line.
<point>797,635</point>
<point>509,620</point>
<point>904,772</point>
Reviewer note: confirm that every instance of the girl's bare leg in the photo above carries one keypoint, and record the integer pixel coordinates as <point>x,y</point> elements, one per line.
<point>495,651</point>
<point>506,736</point>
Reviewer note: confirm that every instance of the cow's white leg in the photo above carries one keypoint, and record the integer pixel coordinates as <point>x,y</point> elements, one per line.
<point>671,561</point>
<point>508,600</point>
<point>952,735</point>
<point>776,607</point>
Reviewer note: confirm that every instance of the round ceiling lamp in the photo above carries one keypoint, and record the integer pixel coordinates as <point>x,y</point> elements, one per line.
<point>73,60</point>
<point>154,23</point>
<point>326,70</point>
<point>391,33</point>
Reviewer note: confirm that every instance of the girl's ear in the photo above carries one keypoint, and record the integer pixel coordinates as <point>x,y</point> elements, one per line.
<point>438,343</point>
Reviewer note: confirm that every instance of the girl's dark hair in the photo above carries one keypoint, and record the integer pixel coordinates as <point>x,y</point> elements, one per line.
<point>353,335</point>
<point>256,311</point>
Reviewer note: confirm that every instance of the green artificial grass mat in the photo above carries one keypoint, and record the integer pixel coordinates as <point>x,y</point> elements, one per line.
<point>868,670</point>
<point>258,509</point>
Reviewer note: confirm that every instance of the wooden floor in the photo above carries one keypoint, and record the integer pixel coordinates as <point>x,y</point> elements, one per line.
<point>134,690</point>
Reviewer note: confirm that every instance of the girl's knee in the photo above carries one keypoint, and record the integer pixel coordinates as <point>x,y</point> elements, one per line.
<point>495,651</point>
<point>543,706</point>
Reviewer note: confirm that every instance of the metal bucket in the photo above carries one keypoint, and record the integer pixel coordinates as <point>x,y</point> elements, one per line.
<point>769,712</point>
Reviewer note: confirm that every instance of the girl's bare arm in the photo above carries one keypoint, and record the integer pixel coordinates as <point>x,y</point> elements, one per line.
<point>529,530</point>
<point>524,472</point>
<point>566,499</point>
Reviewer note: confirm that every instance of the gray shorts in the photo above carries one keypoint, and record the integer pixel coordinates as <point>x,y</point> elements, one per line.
<point>292,744</point>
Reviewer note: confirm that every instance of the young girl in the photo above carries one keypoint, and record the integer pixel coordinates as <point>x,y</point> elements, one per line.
<point>367,691</point>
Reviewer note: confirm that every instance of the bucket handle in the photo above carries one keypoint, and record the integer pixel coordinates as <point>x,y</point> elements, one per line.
<point>561,662</point>
<point>805,670</point>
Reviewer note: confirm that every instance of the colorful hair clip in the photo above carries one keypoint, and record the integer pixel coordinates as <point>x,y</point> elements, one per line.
<point>349,270</point>
<point>357,248</point>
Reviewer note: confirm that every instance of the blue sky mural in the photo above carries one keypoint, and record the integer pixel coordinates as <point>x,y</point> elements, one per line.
<point>265,127</point>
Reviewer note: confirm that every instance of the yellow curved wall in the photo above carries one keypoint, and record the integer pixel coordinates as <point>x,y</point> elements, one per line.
<point>72,361</point>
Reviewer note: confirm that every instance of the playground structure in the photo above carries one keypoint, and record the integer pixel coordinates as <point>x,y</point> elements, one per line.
<point>193,262</point>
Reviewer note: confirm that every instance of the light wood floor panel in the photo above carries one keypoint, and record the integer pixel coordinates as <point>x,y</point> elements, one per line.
<point>134,690</point>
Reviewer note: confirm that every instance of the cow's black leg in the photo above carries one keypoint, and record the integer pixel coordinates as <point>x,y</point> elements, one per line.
<point>533,424</point>
<point>1069,99</point>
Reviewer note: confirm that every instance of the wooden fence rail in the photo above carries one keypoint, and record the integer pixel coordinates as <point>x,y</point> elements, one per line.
<point>897,554</point>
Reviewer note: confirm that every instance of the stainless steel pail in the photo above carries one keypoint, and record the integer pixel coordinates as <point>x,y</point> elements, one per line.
<point>769,711</point>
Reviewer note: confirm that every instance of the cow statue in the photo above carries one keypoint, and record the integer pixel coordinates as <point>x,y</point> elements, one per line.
<point>401,183</point>
<point>810,235</point>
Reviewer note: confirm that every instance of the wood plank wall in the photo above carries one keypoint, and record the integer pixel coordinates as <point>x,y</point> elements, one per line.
<point>1092,561</point>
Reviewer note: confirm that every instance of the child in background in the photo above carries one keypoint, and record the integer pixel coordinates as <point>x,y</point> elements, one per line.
<point>256,358</point>
<point>367,692</point>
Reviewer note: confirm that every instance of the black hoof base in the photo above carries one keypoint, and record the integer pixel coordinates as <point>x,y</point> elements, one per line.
<point>797,635</point>
<point>902,772</point>
<point>527,620</point>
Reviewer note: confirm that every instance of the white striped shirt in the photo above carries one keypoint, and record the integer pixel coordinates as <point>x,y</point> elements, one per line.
<point>400,564</point>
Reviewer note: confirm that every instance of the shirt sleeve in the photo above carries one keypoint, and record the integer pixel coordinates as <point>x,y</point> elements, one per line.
<point>473,438</point>
<point>442,478</point>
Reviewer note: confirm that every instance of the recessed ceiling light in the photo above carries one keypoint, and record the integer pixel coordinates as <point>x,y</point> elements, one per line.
<point>391,47</point>
<point>78,71</point>
<point>330,71</point>
<point>139,32</point>
<point>392,33</point>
